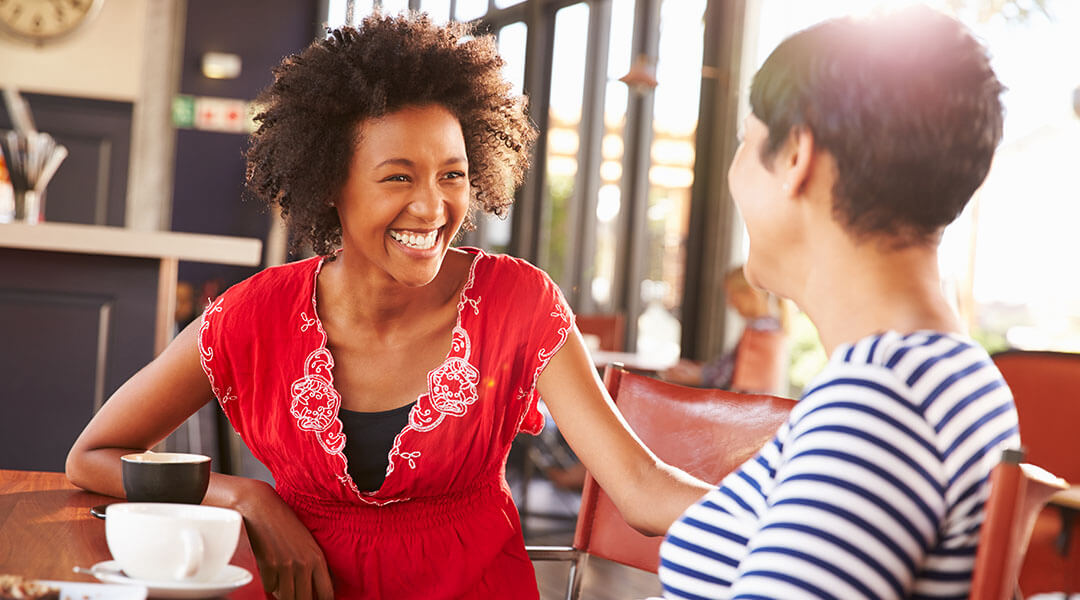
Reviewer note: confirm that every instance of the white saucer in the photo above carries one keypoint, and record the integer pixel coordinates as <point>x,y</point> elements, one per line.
<point>231,578</point>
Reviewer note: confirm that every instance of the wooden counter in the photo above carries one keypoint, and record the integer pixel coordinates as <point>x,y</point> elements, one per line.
<point>115,241</point>
<point>82,308</point>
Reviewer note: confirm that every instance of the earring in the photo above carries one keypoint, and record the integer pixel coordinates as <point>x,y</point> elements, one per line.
<point>786,187</point>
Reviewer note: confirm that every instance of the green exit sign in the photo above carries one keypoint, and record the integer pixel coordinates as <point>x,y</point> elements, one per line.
<point>183,111</point>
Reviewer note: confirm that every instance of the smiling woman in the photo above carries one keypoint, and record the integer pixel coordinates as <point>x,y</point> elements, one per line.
<point>383,381</point>
<point>407,193</point>
<point>299,157</point>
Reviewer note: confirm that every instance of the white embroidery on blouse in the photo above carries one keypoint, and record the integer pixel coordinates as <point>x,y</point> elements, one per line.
<point>451,390</point>
<point>410,456</point>
<point>315,402</point>
<point>206,354</point>
<point>559,311</point>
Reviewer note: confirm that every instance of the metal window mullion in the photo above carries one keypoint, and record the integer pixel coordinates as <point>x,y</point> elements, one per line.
<point>632,243</point>
<point>582,242</point>
<point>712,213</point>
<point>529,208</point>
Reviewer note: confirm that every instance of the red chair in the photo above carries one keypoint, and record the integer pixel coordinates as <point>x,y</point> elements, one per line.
<point>1046,388</point>
<point>609,328</point>
<point>705,432</point>
<point>1018,491</point>
<point>761,362</point>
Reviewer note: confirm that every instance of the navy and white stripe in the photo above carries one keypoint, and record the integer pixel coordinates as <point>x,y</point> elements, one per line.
<point>874,488</point>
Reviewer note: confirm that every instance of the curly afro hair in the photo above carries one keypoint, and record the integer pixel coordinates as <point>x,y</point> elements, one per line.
<point>300,154</point>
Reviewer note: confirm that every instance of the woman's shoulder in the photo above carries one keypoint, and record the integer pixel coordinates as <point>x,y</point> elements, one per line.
<point>909,356</point>
<point>923,374</point>
<point>272,287</point>
<point>280,278</point>
<point>505,271</point>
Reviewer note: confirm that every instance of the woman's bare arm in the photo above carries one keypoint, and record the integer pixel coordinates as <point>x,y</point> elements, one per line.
<point>146,409</point>
<point>150,406</point>
<point>650,494</point>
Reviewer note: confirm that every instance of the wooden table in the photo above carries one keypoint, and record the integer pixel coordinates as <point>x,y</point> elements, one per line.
<point>631,360</point>
<point>46,529</point>
<point>1068,504</point>
<point>1069,498</point>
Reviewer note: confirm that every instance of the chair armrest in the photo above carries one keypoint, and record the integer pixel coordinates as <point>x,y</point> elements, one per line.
<point>552,552</point>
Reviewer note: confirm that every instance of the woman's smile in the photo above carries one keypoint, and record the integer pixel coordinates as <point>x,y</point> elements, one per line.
<point>415,240</point>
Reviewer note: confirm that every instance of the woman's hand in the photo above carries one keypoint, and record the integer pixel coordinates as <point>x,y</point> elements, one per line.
<point>290,562</point>
<point>153,403</point>
<point>649,493</point>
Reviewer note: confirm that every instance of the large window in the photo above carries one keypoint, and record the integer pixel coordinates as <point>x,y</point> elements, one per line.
<point>671,173</point>
<point>605,209</point>
<point>1007,260</point>
<point>571,37</point>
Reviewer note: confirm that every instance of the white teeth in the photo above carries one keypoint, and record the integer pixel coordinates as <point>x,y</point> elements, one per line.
<point>413,240</point>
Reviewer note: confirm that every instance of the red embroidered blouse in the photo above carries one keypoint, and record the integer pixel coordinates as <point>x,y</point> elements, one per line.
<point>443,523</point>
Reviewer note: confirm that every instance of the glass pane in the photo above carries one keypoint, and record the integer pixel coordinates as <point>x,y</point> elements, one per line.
<point>671,174</point>
<point>1000,259</point>
<point>390,7</point>
<point>337,12</point>
<point>467,10</point>
<point>439,10</point>
<point>362,9</point>
<point>564,116</point>
<point>505,3</point>
<point>495,232</point>
<point>512,45</point>
<point>1004,254</point>
<point>609,198</point>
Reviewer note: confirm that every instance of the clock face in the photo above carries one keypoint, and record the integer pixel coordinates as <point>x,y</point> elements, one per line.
<point>45,20</point>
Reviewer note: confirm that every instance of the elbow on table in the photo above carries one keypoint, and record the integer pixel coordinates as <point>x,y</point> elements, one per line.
<point>78,467</point>
<point>73,467</point>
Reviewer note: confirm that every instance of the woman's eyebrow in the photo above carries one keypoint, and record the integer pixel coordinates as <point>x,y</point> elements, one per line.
<point>404,162</point>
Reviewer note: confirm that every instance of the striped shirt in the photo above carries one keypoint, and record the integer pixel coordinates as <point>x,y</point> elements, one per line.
<point>874,488</point>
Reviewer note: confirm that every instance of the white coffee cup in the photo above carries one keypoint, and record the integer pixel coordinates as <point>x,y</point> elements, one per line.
<point>155,541</point>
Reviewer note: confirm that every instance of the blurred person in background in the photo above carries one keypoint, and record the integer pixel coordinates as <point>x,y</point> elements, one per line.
<point>758,363</point>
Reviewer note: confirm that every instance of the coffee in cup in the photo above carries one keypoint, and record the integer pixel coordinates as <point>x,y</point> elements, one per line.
<point>155,541</point>
<point>165,477</point>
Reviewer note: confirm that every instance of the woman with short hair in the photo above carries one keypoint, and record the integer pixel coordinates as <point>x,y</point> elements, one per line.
<point>866,138</point>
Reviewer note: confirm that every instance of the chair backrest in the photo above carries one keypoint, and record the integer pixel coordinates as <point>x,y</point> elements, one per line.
<point>1018,492</point>
<point>705,432</point>
<point>761,362</point>
<point>1046,389</point>
<point>610,328</point>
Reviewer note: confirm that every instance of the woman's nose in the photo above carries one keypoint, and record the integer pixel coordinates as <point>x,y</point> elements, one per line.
<point>427,202</point>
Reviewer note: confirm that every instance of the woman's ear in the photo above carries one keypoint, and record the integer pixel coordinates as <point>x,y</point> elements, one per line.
<point>797,160</point>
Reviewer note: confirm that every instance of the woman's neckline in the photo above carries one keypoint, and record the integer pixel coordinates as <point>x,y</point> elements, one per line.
<point>478,254</point>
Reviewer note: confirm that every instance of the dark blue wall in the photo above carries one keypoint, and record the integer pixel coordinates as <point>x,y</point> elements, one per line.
<point>210,165</point>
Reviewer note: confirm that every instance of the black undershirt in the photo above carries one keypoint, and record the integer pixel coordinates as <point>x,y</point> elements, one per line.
<point>368,439</point>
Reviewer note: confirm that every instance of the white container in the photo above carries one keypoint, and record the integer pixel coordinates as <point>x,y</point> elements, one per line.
<point>155,541</point>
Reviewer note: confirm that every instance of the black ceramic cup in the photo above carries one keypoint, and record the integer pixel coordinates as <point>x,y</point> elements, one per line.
<point>166,477</point>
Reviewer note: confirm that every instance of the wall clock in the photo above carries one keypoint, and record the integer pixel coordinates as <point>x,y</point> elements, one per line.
<point>45,21</point>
